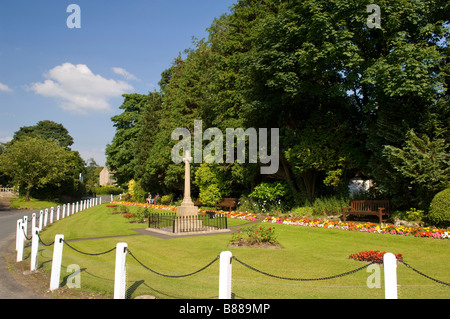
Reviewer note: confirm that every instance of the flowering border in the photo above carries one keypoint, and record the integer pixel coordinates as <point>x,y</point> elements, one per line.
<point>429,232</point>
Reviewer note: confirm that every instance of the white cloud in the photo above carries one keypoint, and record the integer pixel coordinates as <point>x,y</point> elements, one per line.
<point>127,75</point>
<point>79,89</point>
<point>4,88</point>
<point>5,139</point>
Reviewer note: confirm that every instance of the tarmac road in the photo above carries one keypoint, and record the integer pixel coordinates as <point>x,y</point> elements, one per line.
<point>9,287</point>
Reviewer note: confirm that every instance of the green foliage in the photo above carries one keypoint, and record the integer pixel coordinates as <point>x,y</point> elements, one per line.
<point>328,206</point>
<point>271,196</point>
<point>108,190</point>
<point>135,192</point>
<point>46,130</point>
<point>33,163</point>
<point>440,208</point>
<point>343,95</point>
<point>167,199</point>
<point>254,235</point>
<point>212,184</point>
<point>424,161</point>
<point>121,152</point>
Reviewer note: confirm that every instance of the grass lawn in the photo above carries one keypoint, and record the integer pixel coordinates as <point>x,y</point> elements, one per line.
<point>33,204</point>
<point>306,253</point>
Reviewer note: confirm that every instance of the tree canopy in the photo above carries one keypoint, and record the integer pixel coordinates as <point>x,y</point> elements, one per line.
<point>349,100</point>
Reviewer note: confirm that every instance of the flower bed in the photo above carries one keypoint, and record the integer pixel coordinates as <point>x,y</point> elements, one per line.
<point>372,256</point>
<point>164,207</point>
<point>431,232</point>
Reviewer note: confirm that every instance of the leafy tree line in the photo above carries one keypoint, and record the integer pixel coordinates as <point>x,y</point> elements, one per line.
<point>39,160</point>
<point>349,100</point>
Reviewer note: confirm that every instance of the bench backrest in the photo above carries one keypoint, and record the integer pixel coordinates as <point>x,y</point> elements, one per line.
<point>228,201</point>
<point>370,205</point>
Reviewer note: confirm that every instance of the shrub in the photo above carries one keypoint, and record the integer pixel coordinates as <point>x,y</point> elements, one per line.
<point>245,204</point>
<point>440,208</point>
<point>326,206</point>
<point>255,235</point>
<point>166,199</point>
<point>271,196</point>
<point>302,211</point>
<point>108,190</point>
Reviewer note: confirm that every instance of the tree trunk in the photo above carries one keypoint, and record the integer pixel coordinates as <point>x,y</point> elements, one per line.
<point>27,195</point>
<point>309,179</point>
<point>289,180</point>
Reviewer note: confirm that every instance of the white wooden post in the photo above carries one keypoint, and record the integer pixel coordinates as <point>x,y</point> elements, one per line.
<point>64,211</point>
<point>68,209</point>
<point>225,275</point>
<point>51,215</point>
<point>56,262</point>
<point>100,201</point>
<point>20,239</point>
<point>33,222</point>
<point>390,276</point>
<point>58,212</point>
<point>96,201</point>
<point>45,217</point>
<point>18,232</point>
<point>41,217</point>
<point>121,271</point>
<point>73,208</point>
<point>34,250</point>
<point>111,197</point>
<point>76,209</point>
<point>25,225</point>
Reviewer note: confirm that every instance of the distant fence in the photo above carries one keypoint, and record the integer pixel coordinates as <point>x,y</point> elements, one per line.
<point>5,191</point>
<point>179,224</point>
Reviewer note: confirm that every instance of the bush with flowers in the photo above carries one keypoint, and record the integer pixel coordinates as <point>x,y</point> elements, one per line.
<point>254,236</point>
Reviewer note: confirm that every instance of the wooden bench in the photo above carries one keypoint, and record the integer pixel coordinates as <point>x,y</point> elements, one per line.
<point>378,208</point>
<point>227,202</point>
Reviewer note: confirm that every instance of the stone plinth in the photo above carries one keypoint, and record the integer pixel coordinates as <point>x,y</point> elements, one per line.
<point>187,224</point>
<point>187,210</point>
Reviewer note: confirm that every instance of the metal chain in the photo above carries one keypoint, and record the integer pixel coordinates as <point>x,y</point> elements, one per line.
<point>90,254</point>
<point>302,279</point>
<point>25,235</point>
<point>173,276</point>
<point>43,242</point>
<point>422,274</point>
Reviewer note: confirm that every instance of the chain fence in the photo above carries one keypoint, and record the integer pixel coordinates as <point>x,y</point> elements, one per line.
<point>422,274</point>
<point>303,279</point>
<point>173,276</point>
<point>240,262</point>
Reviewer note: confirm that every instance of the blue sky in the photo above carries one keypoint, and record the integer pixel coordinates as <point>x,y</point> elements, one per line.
<point>76,76</point>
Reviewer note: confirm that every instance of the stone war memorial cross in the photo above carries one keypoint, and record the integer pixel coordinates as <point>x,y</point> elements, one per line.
<point>187,207</point>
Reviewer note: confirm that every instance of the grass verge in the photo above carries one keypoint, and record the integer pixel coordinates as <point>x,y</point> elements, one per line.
<point>306,253</point>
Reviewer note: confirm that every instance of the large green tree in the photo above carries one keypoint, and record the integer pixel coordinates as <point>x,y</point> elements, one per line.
<point>34,162</point>
<point>121,152</point>
<point>47,130</point>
